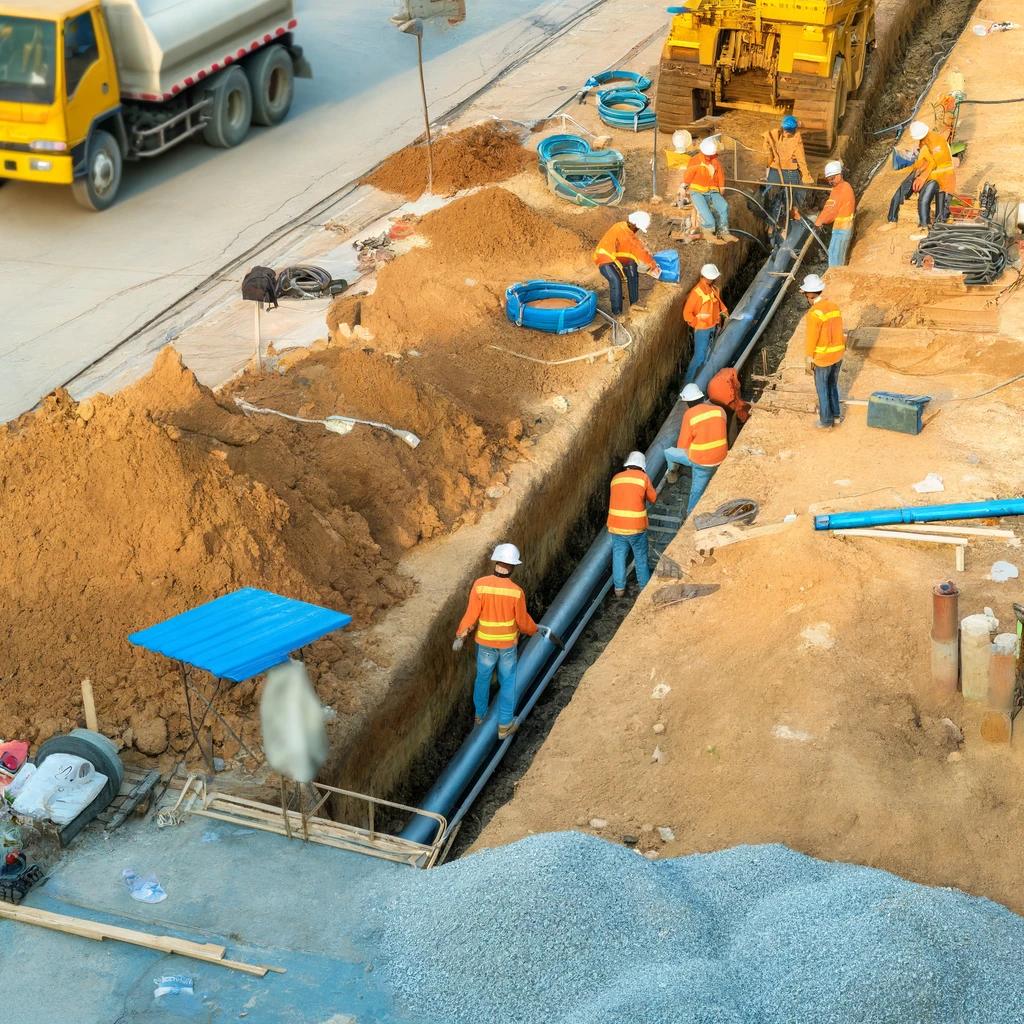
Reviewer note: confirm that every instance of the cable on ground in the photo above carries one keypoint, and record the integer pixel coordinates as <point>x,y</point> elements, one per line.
<point>308,282</point>
<point>639,115</point>
<point>977,249</point>
<point>564,320</point>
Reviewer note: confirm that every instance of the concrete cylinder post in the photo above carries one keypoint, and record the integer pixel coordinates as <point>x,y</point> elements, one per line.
<point>975,653</point>
<point>945,646</point>
<point>1002,672</point>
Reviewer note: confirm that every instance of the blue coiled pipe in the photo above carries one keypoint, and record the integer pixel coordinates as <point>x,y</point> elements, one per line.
<point>560,145</point>
<point>639,117</point>
<point>921,514</point>
<point>641,82</point>
<point>555,321</point>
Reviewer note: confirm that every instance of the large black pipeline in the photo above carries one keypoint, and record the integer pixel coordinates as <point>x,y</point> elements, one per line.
<point>580,596</point>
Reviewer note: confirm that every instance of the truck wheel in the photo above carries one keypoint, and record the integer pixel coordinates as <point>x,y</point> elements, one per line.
<point>97,189</point>
<point>231,110</point>
<point>94,748</point>
<point>272,77</point>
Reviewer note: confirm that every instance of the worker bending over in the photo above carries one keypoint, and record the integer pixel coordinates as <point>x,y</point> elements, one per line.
<point>785,165</point>
<point>825,349</point>
<point>617,256</point>
<point>702,443</point>
<point>631,490</point>
<point>497,607</point>
<point>932,177</point>
<point>724,390</point>
<point>838,211</point>
<point>704,311</point>
<point>704,180</point>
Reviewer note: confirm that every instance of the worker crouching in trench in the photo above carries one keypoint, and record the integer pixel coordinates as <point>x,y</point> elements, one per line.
<point>617,255</point>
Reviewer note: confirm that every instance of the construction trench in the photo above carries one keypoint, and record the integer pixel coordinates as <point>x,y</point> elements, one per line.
<point>400,694</point>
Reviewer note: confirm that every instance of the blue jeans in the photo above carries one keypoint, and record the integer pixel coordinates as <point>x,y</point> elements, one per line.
<point>700,476</point>
<point>712,209</point>
<point>826,382</point>
<point>838,247</point>
<point>702,341</point>
<point>610,272</point>
<point>774,197</point>
<point>622,545</point>
<point>486,659</point>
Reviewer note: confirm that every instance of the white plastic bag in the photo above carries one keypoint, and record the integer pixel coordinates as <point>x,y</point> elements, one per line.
<point>61,788</point>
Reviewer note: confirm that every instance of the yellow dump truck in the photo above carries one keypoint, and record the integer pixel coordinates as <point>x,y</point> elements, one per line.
<point>88,84</point>
<point>803,57</point>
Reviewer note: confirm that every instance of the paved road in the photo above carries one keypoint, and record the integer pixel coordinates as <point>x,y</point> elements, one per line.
<point>73,283</point>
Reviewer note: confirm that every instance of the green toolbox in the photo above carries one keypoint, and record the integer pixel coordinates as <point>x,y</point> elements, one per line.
<point>890,410</point>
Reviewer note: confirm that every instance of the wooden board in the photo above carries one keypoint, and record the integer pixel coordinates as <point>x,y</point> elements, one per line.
<point>925,538</point>
<point>731,533</point>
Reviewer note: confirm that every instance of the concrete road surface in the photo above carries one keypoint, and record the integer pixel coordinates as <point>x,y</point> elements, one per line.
<point>74,283</point>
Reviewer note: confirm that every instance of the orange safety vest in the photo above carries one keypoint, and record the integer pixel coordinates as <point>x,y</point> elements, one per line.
<point>619,243</point>
<point>497,607</point>
<point>627,505</point>
<point>825,342</point>
<point>704,174</point>
<point>724,390</point>
<point>704,307</point>
<point>703,434</point>
<point>839,207</point>
<point>935,158</point>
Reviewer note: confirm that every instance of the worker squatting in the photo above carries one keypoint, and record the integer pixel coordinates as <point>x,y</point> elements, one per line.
<point>497,605</point>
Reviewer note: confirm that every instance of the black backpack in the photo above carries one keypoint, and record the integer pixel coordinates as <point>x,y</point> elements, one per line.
<point>260,285</point>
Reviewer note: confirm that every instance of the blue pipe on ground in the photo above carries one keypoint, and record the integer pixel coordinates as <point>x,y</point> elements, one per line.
<point>480,754</point>
<point>921,514</point>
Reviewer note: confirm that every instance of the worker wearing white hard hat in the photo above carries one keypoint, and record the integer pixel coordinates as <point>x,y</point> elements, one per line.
<point>618,254</point>
<point>704,182</point>
<point>825,348</point>
<point>785,167</point>
<point>838,212</point>
<point>704,311</point>
<point>497,608</point>
<point>702,444</point>
<point>630,493</point>
<point>932,177</point>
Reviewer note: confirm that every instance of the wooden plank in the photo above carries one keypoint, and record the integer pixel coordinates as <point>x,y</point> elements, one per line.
<point>924,538</point>
<point>966,531</point>
<point>89,706</point>
<point>723,536</point>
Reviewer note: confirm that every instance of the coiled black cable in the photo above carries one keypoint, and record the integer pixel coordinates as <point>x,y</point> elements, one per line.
<point>978,249</point>
<point>308,282</point>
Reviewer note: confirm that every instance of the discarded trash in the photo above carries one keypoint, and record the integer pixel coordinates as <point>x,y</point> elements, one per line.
<point>661,691</point>
<point>1003,571</point>
<point>789,517</point>
<point>657,757</point>
<point>783,732</point>
<point>819,635</point>
<point>667,835</point>
<point>145,890</point>
<point>60,789</point>
<point>598,823</point>
<point>842,483</point>
<point>560,403</point>
<point>931,484</point>
<point>172,984</point>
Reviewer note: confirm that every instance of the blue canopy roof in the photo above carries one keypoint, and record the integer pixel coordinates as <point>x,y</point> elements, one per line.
<point>240,635</point>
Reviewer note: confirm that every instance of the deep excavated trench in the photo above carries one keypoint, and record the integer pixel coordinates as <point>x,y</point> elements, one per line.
<point>427,712</point>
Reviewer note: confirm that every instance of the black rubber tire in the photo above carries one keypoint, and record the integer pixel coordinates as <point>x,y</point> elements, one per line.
<point>94,748</point>
<point>98,189</point>
<point>272,80</point>
<point>231,110</point>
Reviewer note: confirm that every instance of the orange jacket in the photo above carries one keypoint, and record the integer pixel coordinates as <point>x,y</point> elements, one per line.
<point>825,342</point>
<point>724,390</point>
<point>839,207</point>
<point>627,504</point>
<point>703,435</point>
<point>619,243</point>
<point>497,607</point>
<point>935,162</point>
<point>785,152</point>
<point>704,174</point>
<point>704,307</point>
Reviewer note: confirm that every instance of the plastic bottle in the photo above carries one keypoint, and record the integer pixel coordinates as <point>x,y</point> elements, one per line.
<point>975,645</point>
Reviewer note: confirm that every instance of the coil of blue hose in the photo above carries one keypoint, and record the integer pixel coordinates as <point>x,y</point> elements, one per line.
<point>560,145</point>
<point>641,82</point>
<point>554,321</point>
<point>638,117</point>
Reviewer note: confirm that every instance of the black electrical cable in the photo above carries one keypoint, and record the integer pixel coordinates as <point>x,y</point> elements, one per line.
<point>1018,99</point>
<point>978,249</point>
<point>307,282</point>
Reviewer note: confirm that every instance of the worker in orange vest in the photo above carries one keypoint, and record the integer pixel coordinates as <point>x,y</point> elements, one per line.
<point>838,211</point>
<point>631,490</point>
<point>825,349</point>
<point>932,177</point>
<point>497,607</point>
<point>704,311</point>
<point>617,256</point>
<point>704,180</point>
<point>724,390</point>
<point>702,443</point>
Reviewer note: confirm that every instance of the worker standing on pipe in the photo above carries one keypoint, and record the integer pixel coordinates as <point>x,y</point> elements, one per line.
<point>497,607</point>
<point>704,311</point>
<point>838,211</point>
<point>702,443</point>
<point>825,349</point>
<point>724,390</point>
<point>617,256</point>
<point>631,490</point>
<point>932,177</point>
<point>704,179</point>
<point>785,164</point>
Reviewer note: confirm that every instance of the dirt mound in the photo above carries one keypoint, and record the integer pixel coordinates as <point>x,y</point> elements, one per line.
<point>474,156</point>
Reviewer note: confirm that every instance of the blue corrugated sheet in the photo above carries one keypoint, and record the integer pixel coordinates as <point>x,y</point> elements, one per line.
<point>242,634</point>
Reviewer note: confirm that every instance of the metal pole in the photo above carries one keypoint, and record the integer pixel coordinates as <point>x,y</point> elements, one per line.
<point>654,161</point>
<point>256,331</point>
<point>426,115</point>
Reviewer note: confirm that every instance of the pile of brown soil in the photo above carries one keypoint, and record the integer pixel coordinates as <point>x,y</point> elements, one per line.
<point>474,156</point>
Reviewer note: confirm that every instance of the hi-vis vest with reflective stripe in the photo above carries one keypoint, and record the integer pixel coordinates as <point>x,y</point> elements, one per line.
<point>497,607</point>
<point>627,504</point>
<point>825,342</point>
<point>709,307</point>
<point>936,158</point>
<point>703,434</point>
<point>619,244</point>
<point>702,174</point>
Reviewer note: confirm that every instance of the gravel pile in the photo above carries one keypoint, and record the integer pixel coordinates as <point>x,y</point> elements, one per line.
<point>568,929</point>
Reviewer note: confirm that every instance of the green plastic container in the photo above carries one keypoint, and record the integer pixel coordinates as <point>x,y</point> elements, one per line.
<point>889,410</point>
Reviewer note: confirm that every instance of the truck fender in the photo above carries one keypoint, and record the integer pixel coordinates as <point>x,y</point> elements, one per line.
<point>303,69</point>
<point>111,121</point>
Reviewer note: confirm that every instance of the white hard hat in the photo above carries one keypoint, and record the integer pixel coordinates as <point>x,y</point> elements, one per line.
<point>710,271</point>
<point>709,147</point>
<point>918,130</point>
<point>833,167</point>
<point>507,554</point>
<point>637,459</point>
<point>682,140</point>
<point>812,283</point>
<point>691,393</point>
<point>640,219</point>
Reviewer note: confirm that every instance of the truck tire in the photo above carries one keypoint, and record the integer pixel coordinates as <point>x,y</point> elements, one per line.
<point>272,78</point>
<point>231,110</point>
<point>94,748</point>
<point>97,188</point>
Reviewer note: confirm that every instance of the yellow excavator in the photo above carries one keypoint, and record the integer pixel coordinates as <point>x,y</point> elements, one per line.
<point>803,57</point>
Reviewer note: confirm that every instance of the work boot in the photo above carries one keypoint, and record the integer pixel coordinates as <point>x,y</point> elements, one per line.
<point>504,731</point>
<point>710,236</point>
<point>620,593</point>
<point>672,476</point>
<point>477,720</point>
<point>728,236</point>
